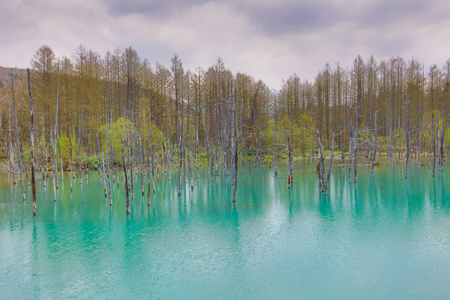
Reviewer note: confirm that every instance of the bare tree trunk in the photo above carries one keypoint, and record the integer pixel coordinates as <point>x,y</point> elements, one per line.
<point>46,161</point>
<point>288,140</point>
<point>56,125</point>
<point>108,173</point>
<point>327,182</point>
<point>148,173</point>
<point>430,121</point>
<point>112,148</point>
<point>33,182</point>
<point>17,137</point>
<point>11,158</point>
<point>79,152</point>
<point>71,158</point>
<point>197,152</point>
<point>355,158</point>
<point>82,143</point>
<point>442,152</point>
<point>350,149</point>
<point>212,163</point>
<point>153,154</point>
<point>341,146</point>
<point>168,156</point>
<point>179,176</point>
<point>420,139</point>
<point>126,181</point>
<point>108,177</point>
<point>103,167</point>
<point>375,145</point>
<point>235,154</point>
<point>390,131</point>
<point>60,160</point>
<point>408,139</point>
<point>434,146</point>
<point>312,146</point>
<point>274,161</point>
<point>320,163</point>
<point>54,175</point>
<point>141,158</point>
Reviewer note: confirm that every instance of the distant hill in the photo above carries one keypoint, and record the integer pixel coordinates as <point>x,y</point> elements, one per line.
<point>5,78</point>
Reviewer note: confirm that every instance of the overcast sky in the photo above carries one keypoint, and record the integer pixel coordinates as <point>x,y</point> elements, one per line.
<point>269,40</point>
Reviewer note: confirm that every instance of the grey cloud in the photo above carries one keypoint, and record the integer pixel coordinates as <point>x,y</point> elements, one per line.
<point>292,17</point>
<point>286,35</point>
<point>153,8</point>
<point>384,13</point>
<point>388,46</point>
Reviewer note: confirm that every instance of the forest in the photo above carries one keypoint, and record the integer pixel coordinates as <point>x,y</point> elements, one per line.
<point>119,111</point>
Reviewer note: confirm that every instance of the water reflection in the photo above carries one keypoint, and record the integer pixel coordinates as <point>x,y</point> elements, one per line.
<point>383,237</point>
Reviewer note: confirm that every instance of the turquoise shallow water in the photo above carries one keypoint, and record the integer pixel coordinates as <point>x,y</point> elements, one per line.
<point>382,238</point>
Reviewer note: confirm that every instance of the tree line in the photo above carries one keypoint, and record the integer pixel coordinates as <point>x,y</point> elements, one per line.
<point>90,105</point>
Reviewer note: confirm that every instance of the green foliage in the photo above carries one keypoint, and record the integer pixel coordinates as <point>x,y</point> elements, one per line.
<point>92,162</point>
<point>156,133</point>
<point>120,128</point>
<point>25,152</point>
<point>123,126</point>
<point>397,136</point>
<point>300,132</point>
<point>65,149</point>
<point>447,139</point>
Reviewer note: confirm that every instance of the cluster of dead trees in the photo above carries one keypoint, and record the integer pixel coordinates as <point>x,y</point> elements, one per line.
<point>118,113</point>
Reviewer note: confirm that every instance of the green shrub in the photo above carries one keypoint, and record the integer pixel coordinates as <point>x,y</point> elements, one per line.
<point>92,162</point>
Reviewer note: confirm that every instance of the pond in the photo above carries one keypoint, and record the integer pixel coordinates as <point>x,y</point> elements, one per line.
<point>383,238</point>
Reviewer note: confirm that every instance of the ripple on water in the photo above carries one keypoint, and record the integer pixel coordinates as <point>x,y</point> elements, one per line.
<point>381,238</point>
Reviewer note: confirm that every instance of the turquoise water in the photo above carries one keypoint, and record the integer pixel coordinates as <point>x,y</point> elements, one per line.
<point>382,238</point>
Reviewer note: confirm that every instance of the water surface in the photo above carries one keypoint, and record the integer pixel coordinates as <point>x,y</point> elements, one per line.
<point>382,238</point>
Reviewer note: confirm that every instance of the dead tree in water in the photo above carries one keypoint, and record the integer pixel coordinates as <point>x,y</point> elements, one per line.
<point>407,126</point>
<point>408,141</point>
<point>102,170</point>
<point>434,144</point>
<point>288,141</point>
<point>235,154</point>
<point>341,146</point>
<point>375,144</point>
<point>329,166</point>
<point>430,121</point>
<point>108,158</point>
<point>420,139</point>
<point>54,171</point>
<point>11,158</point>
<point>442,147</point>
<point>275,154</point>
<point>197,150</point>
<point>179,176</point>
<point>56,126</point>
<point>124,166</point>
<point>320,163</point>
<point>350,150</point>
<point>355,158</point>
<point>33,182</point>
<point>17,137</point>
<point>79,153</point>
<point>153,154</point>
<point>148,174</point>
<point>141,158</point>
<point>82,143</point>
<point>71,158</point>
<point>324,180</point>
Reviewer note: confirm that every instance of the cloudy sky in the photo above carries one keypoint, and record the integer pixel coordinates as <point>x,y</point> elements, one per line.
<point>268,39</point>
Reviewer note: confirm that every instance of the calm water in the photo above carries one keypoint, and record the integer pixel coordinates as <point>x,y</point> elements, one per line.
<point>384,238</point>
